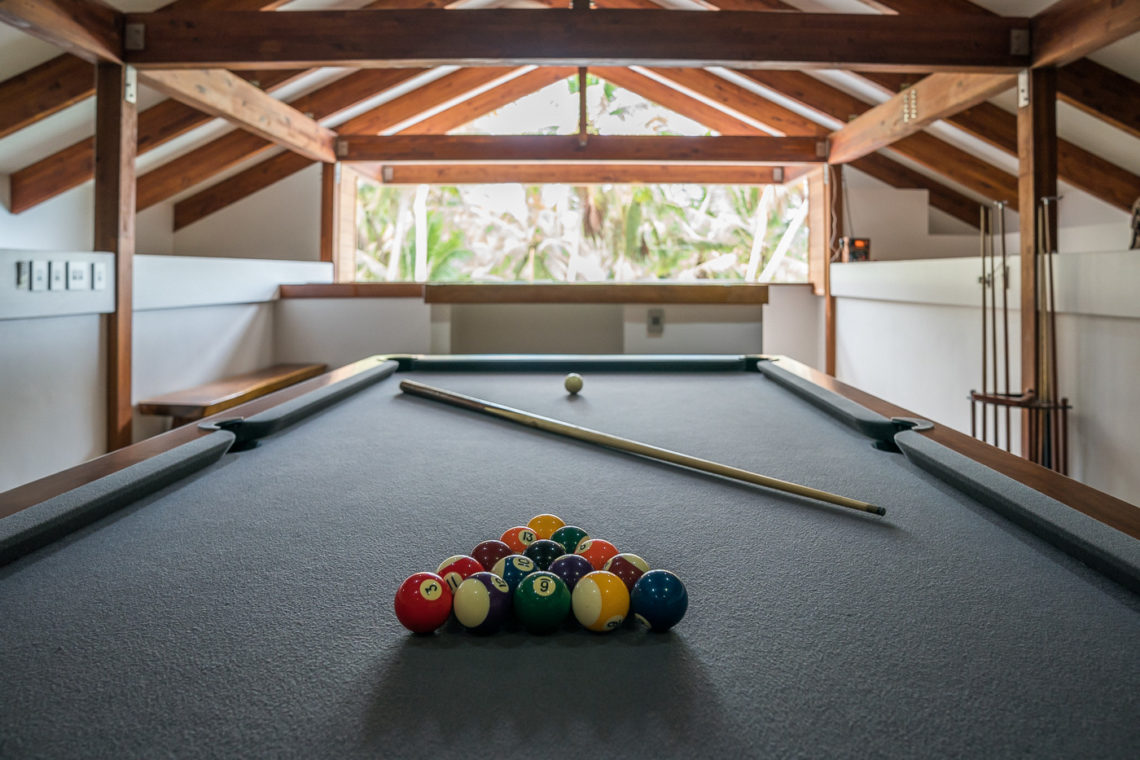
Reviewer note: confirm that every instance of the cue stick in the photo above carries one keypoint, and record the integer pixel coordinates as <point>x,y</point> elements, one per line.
<point>1005,316</point>
<point>984,233</point>
<point>624,444</point>
<point>993,323</point>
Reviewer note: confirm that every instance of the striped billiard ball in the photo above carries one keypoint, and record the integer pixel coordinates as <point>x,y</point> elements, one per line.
<point>570,536</point>
<point>482,603</point>
<point>542,602</point>
<point>659,600</point>
<point>600,601</point>
<point>628,567</point>
<point>513,568</point>
<point>454,570</point>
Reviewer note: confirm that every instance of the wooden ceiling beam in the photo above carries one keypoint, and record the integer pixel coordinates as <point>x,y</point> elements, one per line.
<point>72,166</point>
<point>272,170</point>
<point>1070,29</point>
<point>220,93</point>
<point>933,98</point>
<point>566,148</point>
<point>1101,92</point>
<point>745,102</point>
<point>90,29</point>
<point>617,37</point>
<point>39,92</point>
<point>569,174</point>
<point>216,156</point>
<point>944,159</point>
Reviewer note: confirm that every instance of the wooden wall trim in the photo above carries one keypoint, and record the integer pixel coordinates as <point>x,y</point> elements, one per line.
<point>570,292</point>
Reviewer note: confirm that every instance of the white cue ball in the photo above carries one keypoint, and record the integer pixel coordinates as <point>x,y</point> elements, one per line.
<point>573,383</point>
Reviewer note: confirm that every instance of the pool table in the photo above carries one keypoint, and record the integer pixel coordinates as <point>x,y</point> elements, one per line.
<point>227,591</point>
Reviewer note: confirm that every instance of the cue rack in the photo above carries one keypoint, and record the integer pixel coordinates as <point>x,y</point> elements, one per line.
<point>1042,410</point>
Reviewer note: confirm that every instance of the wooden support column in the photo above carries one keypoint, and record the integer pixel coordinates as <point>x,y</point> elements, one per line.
<point>338,220</point>
<point>825,227</point>
<point>116,129</point>
<point>1037,179</point>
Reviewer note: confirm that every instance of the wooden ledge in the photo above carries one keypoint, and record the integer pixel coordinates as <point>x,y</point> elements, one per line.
<point>549,293</point>
<point>194,403</point>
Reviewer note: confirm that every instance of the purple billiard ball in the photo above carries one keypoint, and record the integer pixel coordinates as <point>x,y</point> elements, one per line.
<point>482,602</point>
<point>571,567</point>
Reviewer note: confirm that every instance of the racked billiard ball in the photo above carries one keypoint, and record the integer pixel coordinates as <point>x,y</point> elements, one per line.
<point>659,600</point>
<point>455,569</point>
<point>545,525</point>
<point>423,602</point>
<point>490,552</point>
<point>571,568</point>
<point>542,602</point>
<point>600,601</point>
<point>570,536</point>
<point>544,551</point>
<point>628,567</point>
<point>598,551</point>
<point>513,568</point>
<point>482,603</point>
<point>518,538</point>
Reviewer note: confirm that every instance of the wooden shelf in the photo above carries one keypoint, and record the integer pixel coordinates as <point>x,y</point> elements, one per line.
<point>552,293</point>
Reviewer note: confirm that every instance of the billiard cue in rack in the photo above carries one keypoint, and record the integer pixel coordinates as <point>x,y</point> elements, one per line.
<point>599,438</point>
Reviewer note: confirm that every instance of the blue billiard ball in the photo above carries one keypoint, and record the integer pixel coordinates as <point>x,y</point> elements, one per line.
<point>513,568</point>
<point>658,600</point>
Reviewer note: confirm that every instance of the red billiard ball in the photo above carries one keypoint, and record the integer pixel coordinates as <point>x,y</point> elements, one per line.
<point>519,538</point>
<point>423,602</point>
<point>490,552</point>
<point>597,550</point>
<point>454,570</point>
<point>628,567</point>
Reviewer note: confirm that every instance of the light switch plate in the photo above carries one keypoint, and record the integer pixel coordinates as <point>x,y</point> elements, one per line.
<point>57,275</point>
<point>78,275</point>
<point>23,275</point>
<point>99,276</point>
<point>39,275</point>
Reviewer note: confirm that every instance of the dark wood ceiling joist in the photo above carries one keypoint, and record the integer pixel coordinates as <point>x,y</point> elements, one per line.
<point>89,29</point>
<point>616,37</point>
<point>1070,29</point>
<point>1101,92</point>
<point>570,174</point>
<point>567,149</point>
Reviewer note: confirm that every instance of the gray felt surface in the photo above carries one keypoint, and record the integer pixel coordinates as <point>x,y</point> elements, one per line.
<point>246,611</point>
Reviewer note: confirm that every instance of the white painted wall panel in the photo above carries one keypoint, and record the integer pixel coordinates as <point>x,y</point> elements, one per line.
<point>338,331</point>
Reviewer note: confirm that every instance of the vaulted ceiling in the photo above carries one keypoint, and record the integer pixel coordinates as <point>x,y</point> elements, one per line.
<point>951,133</point>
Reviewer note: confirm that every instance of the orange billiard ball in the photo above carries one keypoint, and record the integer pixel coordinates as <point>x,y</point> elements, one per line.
<point>545,525</point>
<point>598,551</point>
<point>519,538</point>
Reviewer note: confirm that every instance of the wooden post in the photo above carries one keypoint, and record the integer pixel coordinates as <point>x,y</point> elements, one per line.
<point>338,220</point>
<point>825,227</point>
<point>116,130</point>
<point>1037,179</point>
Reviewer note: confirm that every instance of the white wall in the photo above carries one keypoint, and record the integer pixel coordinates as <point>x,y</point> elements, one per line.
<point>338,331</point>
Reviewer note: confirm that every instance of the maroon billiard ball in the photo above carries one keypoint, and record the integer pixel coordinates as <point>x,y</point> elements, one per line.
<point>628,567</point>
<point>490,552</point>
<point>423,602</point>
<point>454,570</point>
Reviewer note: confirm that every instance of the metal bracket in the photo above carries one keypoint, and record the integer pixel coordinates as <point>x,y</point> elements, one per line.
<point>778,174</point>
<point>910,106</point>
<point>386,173</point>
<point>134,37</point>
<point>342,148</point>
<point>1019,42</point>
<point>131,85</point>
<point>1023,88</point>
<point>822,148</point>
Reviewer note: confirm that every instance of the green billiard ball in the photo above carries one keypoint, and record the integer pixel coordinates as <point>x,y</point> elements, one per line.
<point>573,383</point>
<point>569,536</point>
<point>544,551</point>
<point>542,602</point>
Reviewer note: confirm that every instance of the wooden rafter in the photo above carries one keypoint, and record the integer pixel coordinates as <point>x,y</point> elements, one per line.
<point>1101,92</point>
<point>89,29</point>
<point>927,150</point>
<point>397,111</point>
<point>206,161</point>
<point>73,165</point>
<point>616,37</point>
<point>563,148</point>
<point>570,174</point>
<point>933,98</point>
<point>220,93</point>
<point>1069,29</point>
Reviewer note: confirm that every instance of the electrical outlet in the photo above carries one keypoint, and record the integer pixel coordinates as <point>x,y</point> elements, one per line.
<point>57,275</point>
<point>78,275</point>
<point>39,275</point>
<point>655,323</point>
<point>23,275</point>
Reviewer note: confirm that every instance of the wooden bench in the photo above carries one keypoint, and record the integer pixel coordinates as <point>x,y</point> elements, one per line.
<point>195,403</point>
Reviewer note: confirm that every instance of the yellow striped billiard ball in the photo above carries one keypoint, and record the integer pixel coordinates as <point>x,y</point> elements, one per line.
<point>600,601</point>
